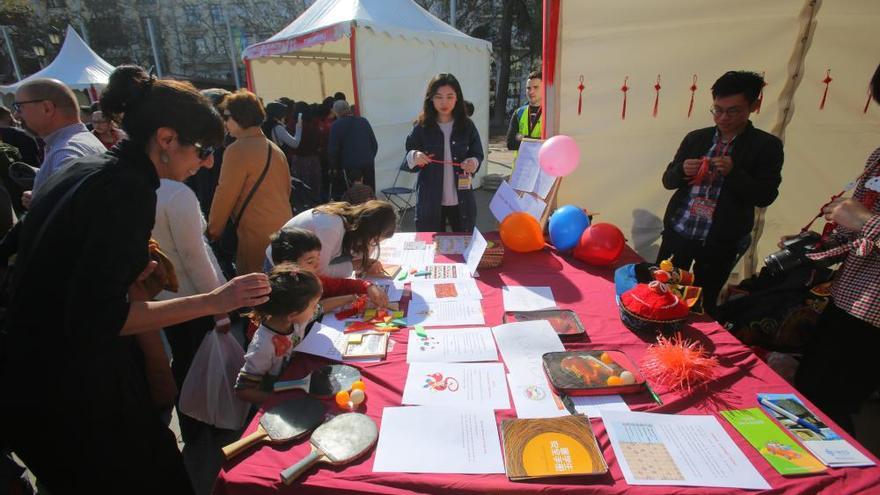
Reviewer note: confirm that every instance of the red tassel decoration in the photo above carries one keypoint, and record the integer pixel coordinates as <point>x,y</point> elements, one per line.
<point>827,82</point>
<point>761,95</point>
<point>693,90</point>
<point>868,103</point>
<point>656,96</point>
<point>581,94</point>
<point>624,88</point>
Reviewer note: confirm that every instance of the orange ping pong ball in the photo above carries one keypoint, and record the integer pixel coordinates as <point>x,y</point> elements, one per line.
<point>342,399</point>
<point>358,385</point>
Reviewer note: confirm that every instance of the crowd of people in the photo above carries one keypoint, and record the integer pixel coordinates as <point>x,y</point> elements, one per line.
<point>179,208</point>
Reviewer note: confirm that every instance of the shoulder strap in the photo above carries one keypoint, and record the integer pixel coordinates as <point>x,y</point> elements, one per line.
<point>256,184</point>
<point>51,216</point>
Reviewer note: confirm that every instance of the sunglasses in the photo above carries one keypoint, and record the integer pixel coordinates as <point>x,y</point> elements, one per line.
<point>16,105</point>
<point>203,152</point>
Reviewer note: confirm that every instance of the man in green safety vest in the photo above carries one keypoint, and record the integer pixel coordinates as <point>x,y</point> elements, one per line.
<point>526,120</point>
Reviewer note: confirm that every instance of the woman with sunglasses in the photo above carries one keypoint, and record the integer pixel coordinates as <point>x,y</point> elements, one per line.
<point>76,402</point>
<point>255,168</point>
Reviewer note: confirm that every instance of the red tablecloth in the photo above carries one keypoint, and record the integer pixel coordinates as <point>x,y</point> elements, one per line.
<point>590,292</point>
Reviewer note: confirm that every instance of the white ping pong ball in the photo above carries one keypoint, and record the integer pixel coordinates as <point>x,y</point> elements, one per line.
<point>627,377</point>
<point>357,396</point>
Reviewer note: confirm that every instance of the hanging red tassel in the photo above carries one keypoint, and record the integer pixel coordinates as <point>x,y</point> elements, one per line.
<point>693,91</point>
<point>761,94</point>
<point>656,96</point>
<point>624,88</point>
<point>827,82</point>
<point>868,103</point>
<point>580,94</point>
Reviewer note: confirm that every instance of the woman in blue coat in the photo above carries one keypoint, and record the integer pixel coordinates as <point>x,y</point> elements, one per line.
<point>444,148</point>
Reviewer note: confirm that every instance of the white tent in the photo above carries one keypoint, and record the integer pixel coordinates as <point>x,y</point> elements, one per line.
<point>381,54</point>
<point>76,65</point>
<point>793,42</point>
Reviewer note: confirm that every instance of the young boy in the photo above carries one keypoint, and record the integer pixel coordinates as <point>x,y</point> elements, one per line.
<point>303,247</point>
<point>358,192</point>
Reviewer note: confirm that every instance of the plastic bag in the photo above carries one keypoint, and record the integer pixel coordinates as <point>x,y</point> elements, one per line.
<point>208,393</point>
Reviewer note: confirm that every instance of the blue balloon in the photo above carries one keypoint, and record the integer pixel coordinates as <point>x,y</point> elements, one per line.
<point>567,224</point>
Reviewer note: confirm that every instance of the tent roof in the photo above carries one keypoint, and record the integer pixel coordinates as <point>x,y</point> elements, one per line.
<point>327,20</point>
<point>76,65</point>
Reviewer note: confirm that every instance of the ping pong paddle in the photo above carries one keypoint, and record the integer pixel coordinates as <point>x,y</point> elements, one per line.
<point>323,383</point>
<point>338,441</point>
<point>282,423</point>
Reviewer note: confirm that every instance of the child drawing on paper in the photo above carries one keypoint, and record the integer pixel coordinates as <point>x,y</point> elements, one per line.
<point>438,383</point>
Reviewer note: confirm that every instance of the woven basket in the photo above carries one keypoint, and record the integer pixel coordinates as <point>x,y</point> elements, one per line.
<point>493,256</point>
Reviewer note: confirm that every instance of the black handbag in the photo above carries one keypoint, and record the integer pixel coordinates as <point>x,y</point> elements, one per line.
<point>227,246</point>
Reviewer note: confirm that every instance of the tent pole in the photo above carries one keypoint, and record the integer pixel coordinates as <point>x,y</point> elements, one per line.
<point>352,50</point>
<point>11,52</point>
<point>155,49</point>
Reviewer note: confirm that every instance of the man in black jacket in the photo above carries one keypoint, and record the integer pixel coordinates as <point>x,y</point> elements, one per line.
<point>352,143</point>
<point>720,175</point>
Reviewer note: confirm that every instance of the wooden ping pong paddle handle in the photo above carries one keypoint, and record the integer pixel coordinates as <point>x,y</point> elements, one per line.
<point>302,384</point>
<point>293,472</point>
<point>238,446</point>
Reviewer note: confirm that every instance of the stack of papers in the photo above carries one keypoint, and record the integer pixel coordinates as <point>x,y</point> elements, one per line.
<point>458,345</point>
<point>474,385</point>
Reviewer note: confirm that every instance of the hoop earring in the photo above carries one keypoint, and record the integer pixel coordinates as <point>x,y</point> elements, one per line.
<point>164,158</point>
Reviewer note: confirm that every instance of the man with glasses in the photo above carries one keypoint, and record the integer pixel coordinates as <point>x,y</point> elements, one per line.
<point>49,109</point>
<point>720,174</point>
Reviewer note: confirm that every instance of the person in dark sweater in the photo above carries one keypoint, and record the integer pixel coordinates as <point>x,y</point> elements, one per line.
<point>720,174</point>
<point>352,144</point>
<point>11,134</point>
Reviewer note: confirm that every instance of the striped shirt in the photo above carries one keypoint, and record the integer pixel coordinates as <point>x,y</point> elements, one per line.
<point>856,288</point>
<point>685,222</point>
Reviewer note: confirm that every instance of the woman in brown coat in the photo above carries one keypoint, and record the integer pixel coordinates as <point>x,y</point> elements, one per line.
<point>243,163</point>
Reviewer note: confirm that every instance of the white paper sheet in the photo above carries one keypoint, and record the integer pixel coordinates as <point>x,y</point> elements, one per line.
<point>456,384</point>
<point>533,205</point>
<point>594,405</point>
<point>429,439</point>
<point>443,271</point>
<point>526,171</point>
<point>474,252</point>
<point>458,345</point>
<point>534,397</point>
<point>523,343</point>
<point>504,202</point>
<point>326,341</point>
<point>444,290</point>
<point>678,450</point>
<point>522,298</point>
<point>392,288</point>
<point>544,184</point>
<point>407,258</point>
<point>445,314</point>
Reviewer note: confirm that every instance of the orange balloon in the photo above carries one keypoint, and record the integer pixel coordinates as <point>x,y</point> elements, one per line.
<point>521,233</point>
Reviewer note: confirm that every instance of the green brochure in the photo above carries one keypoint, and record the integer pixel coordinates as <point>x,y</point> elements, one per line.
<point>780,450</point>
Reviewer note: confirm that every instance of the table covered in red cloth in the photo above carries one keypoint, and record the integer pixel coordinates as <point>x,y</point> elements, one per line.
<point>589,291</point>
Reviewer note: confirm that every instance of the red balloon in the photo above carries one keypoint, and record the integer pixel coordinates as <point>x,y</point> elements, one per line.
<point>600,245</point>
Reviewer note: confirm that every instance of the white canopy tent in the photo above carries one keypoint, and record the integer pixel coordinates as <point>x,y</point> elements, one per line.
<point>381,54</point>
<point>76,65</point>
<point>793,42</point>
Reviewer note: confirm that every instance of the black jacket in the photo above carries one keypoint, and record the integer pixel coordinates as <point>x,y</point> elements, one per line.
<point>464,143</point>
<point>753,182</point>
<point>352,143</point>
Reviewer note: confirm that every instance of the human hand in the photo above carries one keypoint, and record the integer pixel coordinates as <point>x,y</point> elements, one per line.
<point>421,159</point>
<point>222,324</point>
<point>691,166</point>
<point>377,296</point>
<point>786,238</point>
<point>247,290</point>
<point>26,198</point>
<point>848,213</point>
<point>375,269</point>
<point>519,136</point>
<point>723,164</point>
<point>470,165</point>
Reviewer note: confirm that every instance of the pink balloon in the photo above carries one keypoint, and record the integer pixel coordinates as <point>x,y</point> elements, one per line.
<point>559,156</point>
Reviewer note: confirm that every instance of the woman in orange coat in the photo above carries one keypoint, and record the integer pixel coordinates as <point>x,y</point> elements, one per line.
<point>244,161</point>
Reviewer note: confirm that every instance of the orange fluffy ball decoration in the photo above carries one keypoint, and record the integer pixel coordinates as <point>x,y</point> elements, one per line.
<point>678,364</point>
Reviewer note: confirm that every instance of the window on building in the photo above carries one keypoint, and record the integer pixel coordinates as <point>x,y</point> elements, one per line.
<point>191,14</point>
<point>200,46</point>
<point>216,13</point>
<point>56,4</point>
<point>220,45</point>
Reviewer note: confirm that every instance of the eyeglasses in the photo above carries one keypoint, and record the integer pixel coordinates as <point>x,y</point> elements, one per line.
<point>731,112</point>
<point>16,105</point>
<point>203,152</point>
